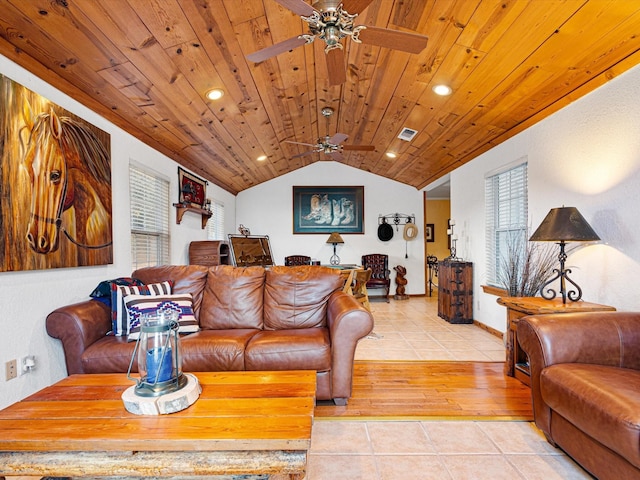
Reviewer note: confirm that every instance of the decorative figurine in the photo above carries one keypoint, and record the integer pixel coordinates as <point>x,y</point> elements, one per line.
<point>400,282</point>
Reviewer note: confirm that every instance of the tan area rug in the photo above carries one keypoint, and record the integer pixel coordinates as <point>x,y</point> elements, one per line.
<point>432,390</point>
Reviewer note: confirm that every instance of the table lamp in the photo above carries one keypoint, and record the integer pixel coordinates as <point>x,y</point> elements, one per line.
<point>335,238</point>
<point>563,225</point>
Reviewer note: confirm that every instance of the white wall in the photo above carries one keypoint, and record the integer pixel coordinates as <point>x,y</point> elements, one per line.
<point>587,156</point>
<point>267,210</point>
<point>27,297</point>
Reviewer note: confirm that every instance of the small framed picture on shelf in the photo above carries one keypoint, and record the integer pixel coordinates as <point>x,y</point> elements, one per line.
<point>192,190</point>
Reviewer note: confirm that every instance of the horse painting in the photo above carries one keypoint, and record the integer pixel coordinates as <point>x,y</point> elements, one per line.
<point>70,175</point>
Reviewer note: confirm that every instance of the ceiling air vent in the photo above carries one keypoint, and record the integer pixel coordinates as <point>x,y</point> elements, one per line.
<point>407,134</point>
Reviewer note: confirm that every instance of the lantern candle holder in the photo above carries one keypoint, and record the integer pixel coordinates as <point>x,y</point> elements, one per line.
<point>157,352</point>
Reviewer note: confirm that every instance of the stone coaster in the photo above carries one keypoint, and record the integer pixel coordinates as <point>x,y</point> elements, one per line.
<point>168,403</point>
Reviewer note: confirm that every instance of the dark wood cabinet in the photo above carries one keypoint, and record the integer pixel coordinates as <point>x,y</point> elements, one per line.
<point>209,253</point>
<point>455,291</point>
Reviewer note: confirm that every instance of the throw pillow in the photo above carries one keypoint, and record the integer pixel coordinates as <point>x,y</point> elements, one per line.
<point>138,305</point>
<point>102,292</point>
<point>118,309</point>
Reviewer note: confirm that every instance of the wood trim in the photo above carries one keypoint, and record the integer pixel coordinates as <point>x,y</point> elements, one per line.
<point>491,290</point>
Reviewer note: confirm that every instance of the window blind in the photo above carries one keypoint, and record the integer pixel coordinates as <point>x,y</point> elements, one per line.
<point>215,225</point>
<point>149,197</point>
<point>506,209</point>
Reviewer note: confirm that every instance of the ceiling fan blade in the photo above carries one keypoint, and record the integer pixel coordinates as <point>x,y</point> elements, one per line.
<point>395,39</point>
<point>336,66</point>
<point>336,155</point>
<point>301,143</point>
<point>276,49</point>
<point>304,154</point>
<point>355,6</point>
<point>298,7</point>
<point>368,148</point>
<point>338,138</point>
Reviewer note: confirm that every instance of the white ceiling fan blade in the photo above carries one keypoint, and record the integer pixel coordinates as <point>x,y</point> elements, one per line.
<point>297,6</point>
<point>338,138</point>
<point>301,143</point>
<point>276,49</point>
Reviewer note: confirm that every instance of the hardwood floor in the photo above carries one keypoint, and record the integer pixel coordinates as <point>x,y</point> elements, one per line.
<point>433,389</point>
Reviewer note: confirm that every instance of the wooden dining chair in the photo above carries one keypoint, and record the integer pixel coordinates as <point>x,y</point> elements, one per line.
<point>360,287</point>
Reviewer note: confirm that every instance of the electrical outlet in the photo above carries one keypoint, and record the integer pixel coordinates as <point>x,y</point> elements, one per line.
<point>11,369</point>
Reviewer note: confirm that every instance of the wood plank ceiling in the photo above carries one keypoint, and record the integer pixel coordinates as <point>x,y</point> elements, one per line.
<point>146,66</point>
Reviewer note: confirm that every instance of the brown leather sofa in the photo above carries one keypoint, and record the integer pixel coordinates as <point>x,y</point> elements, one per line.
<point>284,318</point>
<point>585,386</point>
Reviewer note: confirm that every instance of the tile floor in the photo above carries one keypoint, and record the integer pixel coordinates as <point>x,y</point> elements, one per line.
<point>442,450</point>
<point>411,330</point>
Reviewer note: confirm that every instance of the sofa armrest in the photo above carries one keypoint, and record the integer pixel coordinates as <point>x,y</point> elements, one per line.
<point>348,322</point>
<point>604,338</point>
<point>78,326</point>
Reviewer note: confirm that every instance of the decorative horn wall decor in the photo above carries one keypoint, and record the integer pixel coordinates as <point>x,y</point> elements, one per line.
<point>397,219</point>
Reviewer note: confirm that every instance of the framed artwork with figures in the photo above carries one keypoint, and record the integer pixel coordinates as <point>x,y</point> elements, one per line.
<point>328,209</point>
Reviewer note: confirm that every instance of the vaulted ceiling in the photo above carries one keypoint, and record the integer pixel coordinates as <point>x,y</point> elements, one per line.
<point>146,65</point>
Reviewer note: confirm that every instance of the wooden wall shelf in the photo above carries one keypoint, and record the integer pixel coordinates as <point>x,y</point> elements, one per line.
<point>181,209</point>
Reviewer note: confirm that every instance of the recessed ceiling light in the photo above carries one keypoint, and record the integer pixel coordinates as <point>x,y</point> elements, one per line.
<point>215,94</point>
<point>391,155</point>
<point>261,158</point>
<point>443,90</point>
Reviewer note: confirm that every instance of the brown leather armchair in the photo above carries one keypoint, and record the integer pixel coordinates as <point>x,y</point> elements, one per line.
<point>585,387</point>
<point>293,260</point>
<point>379,265</point>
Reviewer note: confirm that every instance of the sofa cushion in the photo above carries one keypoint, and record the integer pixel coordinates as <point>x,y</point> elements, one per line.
<point>296,349</point>
<point>602,401</point>
<point>296,297</point>
<point>139,305</point>
<point>232,298</point>
<point>104,290</point>
<point>110,354</point>
<point>215,350</point>
<point>119,318</point>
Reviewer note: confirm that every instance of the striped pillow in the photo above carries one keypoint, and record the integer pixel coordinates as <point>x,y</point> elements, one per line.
<point>118,309</point>
<point>138,305</point>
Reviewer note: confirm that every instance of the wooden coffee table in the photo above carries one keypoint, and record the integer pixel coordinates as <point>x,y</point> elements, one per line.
<point>256,424</point>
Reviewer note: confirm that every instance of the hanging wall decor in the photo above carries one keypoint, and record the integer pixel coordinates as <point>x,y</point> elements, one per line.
<point>192,190</point>
<point>55,185</point>
<point>328,209</point>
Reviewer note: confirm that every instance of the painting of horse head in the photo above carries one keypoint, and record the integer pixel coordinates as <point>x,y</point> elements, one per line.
<point>61,185</point>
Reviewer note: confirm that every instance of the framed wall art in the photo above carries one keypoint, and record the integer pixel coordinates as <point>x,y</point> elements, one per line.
<point>55,179</point>
<point>429,233</point>
<point>328,209</point>
<point>192,190</point>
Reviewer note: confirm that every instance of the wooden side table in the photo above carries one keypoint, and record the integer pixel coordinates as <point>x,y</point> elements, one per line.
<point>516,363</point>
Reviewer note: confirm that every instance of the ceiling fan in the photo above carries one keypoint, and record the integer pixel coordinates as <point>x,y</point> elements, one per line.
<point>331,21</point>
<point>331,145</point>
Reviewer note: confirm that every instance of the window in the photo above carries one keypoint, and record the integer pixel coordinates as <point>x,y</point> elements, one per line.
<point>149,218</point>
<point>215,225</point>
<point>506,214</point>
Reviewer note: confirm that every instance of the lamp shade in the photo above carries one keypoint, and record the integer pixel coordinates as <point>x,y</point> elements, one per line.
<point>335,238</point>
<point>564,224</point>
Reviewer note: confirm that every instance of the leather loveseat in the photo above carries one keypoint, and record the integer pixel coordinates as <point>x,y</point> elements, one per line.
<point>585,386</point>
<point>284,318</point>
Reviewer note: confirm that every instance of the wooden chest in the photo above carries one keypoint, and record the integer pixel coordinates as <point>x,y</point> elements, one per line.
<point>455,291</point>
<point>209,253</point>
